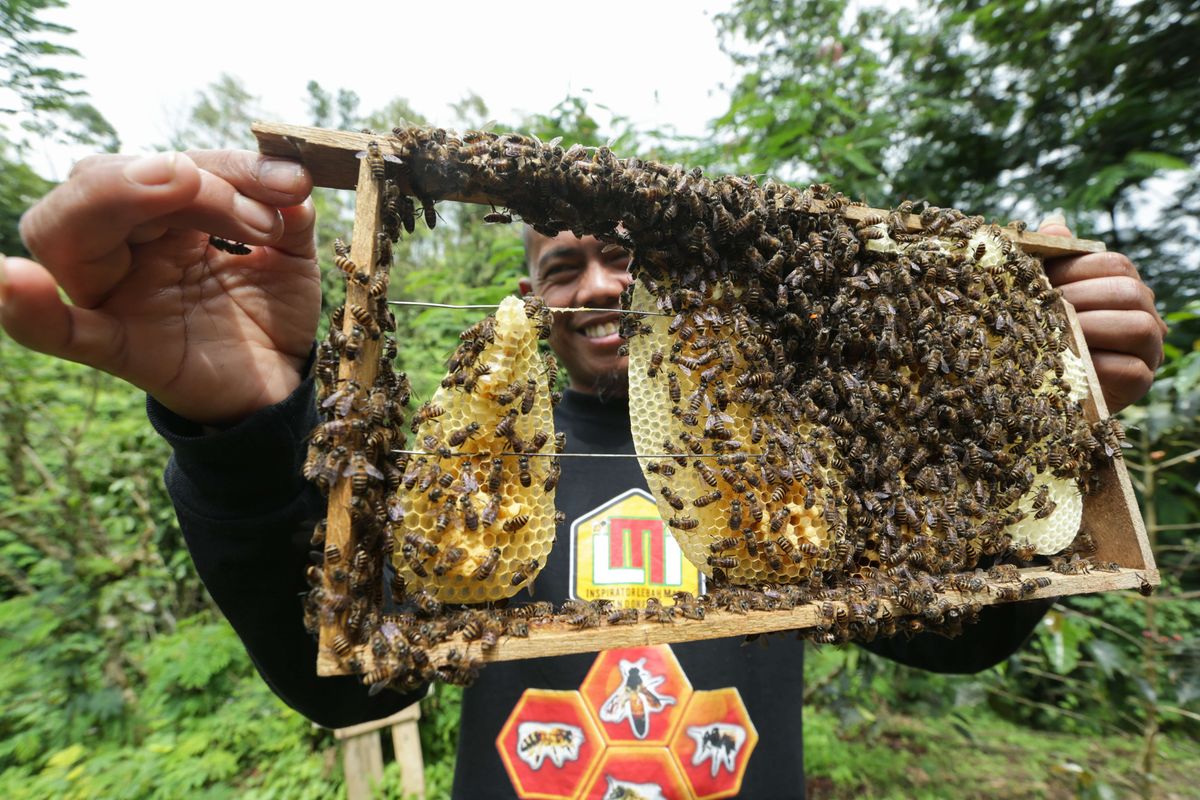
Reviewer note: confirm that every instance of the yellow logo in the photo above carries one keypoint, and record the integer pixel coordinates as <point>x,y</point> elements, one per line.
<point>622,550</point>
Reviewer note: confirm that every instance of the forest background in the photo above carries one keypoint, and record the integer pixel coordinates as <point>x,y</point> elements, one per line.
<point>122,680</point>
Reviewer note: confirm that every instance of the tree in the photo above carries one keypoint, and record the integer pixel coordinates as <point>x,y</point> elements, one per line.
<point>36,93</point>
<point>997,108</point>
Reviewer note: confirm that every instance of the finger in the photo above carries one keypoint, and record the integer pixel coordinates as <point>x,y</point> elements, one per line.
<point>219,208</point>
<point>276,182</point>
<point>1133,333</point>
<point>79,230</point>
<point>1111,292</point>
<point>1054,225</point>
<point>299,226</point>
<point>1093,265</point>
<point>35,316</point>
<point>1124,378</point>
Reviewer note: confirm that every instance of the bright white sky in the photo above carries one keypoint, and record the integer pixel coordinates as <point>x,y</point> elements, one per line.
<point>657,63</point>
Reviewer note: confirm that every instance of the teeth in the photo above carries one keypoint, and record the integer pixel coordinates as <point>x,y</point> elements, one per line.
<point>603,329</point>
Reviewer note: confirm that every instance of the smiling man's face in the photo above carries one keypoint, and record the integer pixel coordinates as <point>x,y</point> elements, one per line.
<point>570,273</point>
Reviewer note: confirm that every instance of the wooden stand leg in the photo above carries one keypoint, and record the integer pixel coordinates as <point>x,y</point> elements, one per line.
<point>406,742</point>
<point>362,754</point>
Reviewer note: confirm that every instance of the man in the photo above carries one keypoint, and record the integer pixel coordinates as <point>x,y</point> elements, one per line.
<point>223,344</point>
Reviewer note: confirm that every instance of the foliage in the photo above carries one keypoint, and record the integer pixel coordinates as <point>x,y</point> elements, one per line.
<point>965,752</point>
<point>36,91</point>
<point>20,186</point>
<point>998,108</point>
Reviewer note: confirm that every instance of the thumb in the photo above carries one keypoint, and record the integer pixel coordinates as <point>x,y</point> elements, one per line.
<point>33,314</point>
<point>1054,224</point>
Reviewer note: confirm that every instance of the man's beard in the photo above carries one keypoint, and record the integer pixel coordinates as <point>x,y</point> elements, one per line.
<point>613,384</point>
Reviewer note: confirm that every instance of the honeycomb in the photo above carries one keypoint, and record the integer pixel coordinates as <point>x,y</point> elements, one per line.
<point>671,408</point>
<point>1051,511</point>
<point>1054,522</point>
<point>474,520</point>
<point>758,495</point>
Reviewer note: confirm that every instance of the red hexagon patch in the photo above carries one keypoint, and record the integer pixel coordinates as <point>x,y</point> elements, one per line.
<point>549,744</point>
<point>637,694</point>
<point>713,743</point>
<point>648,773</point>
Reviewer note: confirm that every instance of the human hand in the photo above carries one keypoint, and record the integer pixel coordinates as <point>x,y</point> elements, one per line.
<point>212,335</point>
<point>1123,330</point>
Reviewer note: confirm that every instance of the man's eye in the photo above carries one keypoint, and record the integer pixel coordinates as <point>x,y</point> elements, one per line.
<point>557,271</point>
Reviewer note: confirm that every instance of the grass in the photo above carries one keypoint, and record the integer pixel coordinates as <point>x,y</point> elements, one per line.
<point>979,756</point>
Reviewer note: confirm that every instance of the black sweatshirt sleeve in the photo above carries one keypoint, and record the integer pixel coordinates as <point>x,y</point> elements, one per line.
<point>1000,632</point>
<point>247,516</point>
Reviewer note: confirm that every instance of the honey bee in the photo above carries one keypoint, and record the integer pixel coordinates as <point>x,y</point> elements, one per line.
<point>341,645</point>
<point>655,611</point>
<point>505,427</point>
<point>425,413</point>
<point>707,499</point>
<point>524,571</point>
<point>524,475</point>
<point>488,566</point>
<point>516,523</point>
<point>496,475</point>
<point>427,603</point>
<point>361,471</point>
<point>451,557</point>
<point>684,523</point>
<point>675,501</point>
<point>497,218</point>
<point>722,562</point>
<point>510,393</point>
<point>622,616</point>
<point>656,359</point>
<point>673,387</point>
<point>735,515</point>
<point>458,437</point>
<point>552,476</point>
<point>227,246</point>
<point>429,211</point>
<point>722,545</point>
<point>528,398</point>
<point>706,472</point>
<point>470,515</point>
<point>490,511</point>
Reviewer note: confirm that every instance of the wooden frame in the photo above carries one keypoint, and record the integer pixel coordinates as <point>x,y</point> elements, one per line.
<point>1110,514</point>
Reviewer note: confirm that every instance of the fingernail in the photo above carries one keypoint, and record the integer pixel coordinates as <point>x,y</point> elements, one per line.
<point>255,214</point>
<point>3,280</point>
<point>281,176</point>
<point>1055,217</point>
<point>152,170</point>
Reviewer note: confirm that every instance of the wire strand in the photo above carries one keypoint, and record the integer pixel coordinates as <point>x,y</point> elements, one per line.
<point>579,455</point>
<point>467,306</point>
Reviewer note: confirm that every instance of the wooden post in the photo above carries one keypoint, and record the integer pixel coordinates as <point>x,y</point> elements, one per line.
<point>362,754</point>
<point>406,743</point>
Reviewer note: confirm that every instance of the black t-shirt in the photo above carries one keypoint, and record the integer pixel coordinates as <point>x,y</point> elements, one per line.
<point>703,715</point>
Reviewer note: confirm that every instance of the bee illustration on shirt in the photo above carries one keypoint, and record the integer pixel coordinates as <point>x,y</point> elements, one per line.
<point>636,698</point>
<point>625,790</point>
<point>719,741</point>
<point>557,741</point>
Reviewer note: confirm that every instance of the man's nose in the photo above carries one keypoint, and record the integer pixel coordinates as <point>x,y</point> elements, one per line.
<point>601,284</point>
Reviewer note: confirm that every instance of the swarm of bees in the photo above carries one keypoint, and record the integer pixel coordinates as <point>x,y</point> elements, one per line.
<point>841,410</point>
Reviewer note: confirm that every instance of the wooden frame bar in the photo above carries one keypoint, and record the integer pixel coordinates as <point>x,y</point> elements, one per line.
<point>329,156</point>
